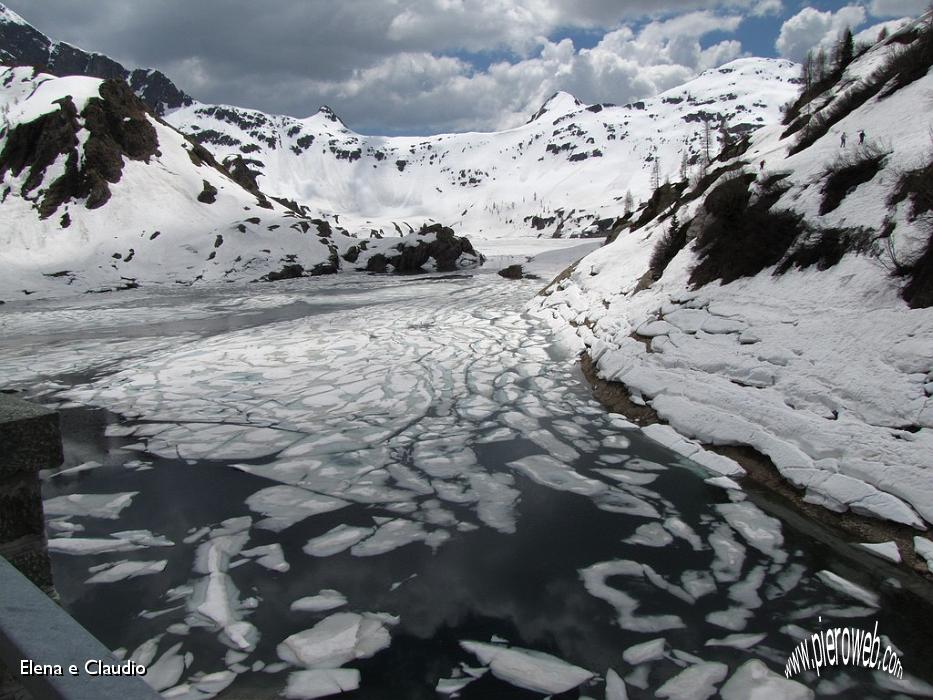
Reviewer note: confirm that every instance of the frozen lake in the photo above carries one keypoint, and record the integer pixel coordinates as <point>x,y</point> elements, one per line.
<point>406,479</point>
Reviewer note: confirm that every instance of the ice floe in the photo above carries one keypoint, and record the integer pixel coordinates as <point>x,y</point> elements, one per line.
<point>527,668</point>
<point>320,683</point>
<point>754,681</point>
<point>286,505</point>
<point>124,541</point>
<point>336,540</point>
<point>335,640</point>
<point>695,682</point>
<point>326,599</point>
<point>122,570</point>
<point>92,505</point>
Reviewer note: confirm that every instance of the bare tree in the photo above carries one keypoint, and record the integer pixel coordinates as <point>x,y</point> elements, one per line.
<point>707,141</point>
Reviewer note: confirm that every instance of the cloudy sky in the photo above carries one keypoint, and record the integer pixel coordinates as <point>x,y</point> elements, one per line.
<point>428,66</point>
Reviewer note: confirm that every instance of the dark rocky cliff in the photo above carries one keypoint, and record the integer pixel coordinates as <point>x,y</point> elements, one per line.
<point>24,45</point>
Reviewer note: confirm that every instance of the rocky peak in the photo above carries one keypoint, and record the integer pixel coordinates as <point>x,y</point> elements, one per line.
<point>21,44</point>
<point>559,103</point>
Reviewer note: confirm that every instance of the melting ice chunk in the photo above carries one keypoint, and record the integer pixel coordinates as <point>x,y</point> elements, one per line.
<point>694,682</point>
<point>121,570</point>
<point>650,535</point>
<point>529,669</point>
<point>327,599</point>
<point>336,540</point>
<point>394,534</point>
<point>594,580</point>
<point>92,505</point>
<point>753,680</point>
<point>615,686</point>
<point>737,641</point>
<point>549,472</point>
<point>287,505</point>
<point>644,652</point>
<point>320,683</point>
<point>335,640</point>
<point>761,531</point>
<point>126,541</point>
<point>269,555</point>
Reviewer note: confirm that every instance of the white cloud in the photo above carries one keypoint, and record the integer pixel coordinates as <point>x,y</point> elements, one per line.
<point>405,65</point>
<point>451,94</point>
<point>766,8</point>
<point>811,29</point>
<point>897,8</point>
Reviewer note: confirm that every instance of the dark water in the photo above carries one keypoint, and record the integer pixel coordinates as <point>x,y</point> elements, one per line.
<point>522,587</point>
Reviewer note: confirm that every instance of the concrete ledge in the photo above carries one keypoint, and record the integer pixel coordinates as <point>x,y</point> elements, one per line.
<point>34,629</point>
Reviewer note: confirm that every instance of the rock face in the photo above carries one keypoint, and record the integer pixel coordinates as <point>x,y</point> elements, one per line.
<point>23,45</point>
<point>118,127</point>
<point>435,246</point>
<point>512,272</point>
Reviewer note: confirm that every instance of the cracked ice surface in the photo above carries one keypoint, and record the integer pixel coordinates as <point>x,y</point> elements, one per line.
<point>313,404</point>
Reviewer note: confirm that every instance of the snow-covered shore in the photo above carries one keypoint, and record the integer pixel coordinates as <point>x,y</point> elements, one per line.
<point>826,372</point>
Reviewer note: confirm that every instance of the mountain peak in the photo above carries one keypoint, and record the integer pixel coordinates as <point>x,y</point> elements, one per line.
<point>326,113</point>
<point>7,16</point>
<point>559,103</point>
<point>329,114</point>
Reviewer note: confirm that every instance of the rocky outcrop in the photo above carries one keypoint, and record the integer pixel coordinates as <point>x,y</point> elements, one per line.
<point>448,251</point>
<point>119,127</point>
<point>512,272</point>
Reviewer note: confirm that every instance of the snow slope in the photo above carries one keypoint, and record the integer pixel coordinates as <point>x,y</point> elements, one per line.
<point>827,372</point>
<point>568,167</point>
<point>143,202</point>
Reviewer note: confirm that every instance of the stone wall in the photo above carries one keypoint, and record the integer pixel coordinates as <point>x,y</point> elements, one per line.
<point>30,440</point>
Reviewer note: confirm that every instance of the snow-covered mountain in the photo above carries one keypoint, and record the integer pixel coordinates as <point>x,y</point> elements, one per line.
<point>565,172</point>
<point>784,302</point>
<point>98,194</point>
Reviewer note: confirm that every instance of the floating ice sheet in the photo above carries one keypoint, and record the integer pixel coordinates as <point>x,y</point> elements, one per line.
<point>286,505</point>
<point>93,505</point>
<point>320,683</point>
<point>123,570</point>
<point>327,599</point>
<point>529,669</point>
<point>335,640</point>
